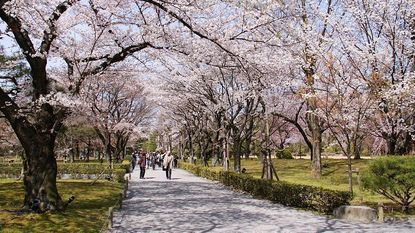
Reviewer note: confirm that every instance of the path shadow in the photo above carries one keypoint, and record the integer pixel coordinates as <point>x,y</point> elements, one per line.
<point>168,206</point>
<point>190,202</point>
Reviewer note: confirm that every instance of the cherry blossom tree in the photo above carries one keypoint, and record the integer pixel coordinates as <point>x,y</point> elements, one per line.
<point>115,108</point>
<point>377,37</point>
<point>348,110</point>
<point>224,63</point>
<point>89,37</point>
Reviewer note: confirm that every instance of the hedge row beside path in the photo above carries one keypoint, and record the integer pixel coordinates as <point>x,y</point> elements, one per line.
<point>75,170</point>
<point>294,195</point>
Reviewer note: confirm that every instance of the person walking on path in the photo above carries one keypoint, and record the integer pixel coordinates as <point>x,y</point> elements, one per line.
<point>153,160</point>
<point>168,164</point>
<point>142,162</point>
<point>134,160</point>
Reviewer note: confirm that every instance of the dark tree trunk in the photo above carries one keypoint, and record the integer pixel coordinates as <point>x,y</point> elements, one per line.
<point>237,155</point>
<point>122,140</point>
<point>108,152</point>
<point>106,141</point>
<point>217,149</point>
<point>89,150</point>
<point>72,155</point>
<point>357,147</point>
<point>405,146</point>
<point>204,155</point>
<point>39,162</point>
<point>357,153</point>
<point>77,151</point>
<point>391,145</point>
<point>40,170</point>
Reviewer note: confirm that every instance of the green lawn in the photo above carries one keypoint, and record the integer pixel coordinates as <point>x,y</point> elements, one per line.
<point>86,214</point>
<point>334,177</point>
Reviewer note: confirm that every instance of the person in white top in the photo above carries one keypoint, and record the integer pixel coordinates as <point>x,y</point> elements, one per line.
<point>168,164</point>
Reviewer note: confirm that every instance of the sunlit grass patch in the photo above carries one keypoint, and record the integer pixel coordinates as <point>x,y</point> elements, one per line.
<point>334,176</point>
<point>86,214</point>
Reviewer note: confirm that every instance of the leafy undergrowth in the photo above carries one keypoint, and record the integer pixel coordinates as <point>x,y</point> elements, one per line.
<point>87,213</point>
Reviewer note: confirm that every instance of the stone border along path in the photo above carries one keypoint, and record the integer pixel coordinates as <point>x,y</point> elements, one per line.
<point>192,204</point>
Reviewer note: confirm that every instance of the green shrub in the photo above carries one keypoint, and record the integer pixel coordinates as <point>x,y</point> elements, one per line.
<point>392,177</point>
<point>10,170</point>
<point>332,148</point>
<point>75,170</point>
<point>295,195</point>
<point>284,154</point>
<point>118,175</point>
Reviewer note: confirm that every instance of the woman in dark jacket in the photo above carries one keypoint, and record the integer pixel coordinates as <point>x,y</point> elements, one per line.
<point>142,162</point>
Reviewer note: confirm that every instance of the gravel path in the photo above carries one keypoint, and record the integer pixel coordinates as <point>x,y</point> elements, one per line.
<point>191,204</point>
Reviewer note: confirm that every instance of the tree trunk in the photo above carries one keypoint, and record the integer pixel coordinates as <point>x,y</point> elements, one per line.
<point>181,147</point>
<point>350,172</point>
<point>237,155</point>
<point>391,145</point>
<point>226,153</point>
<point>217,152</point>
<point>405,146</point>
<point>39,162</point>
<point>192,154</point>
<point>313,123</point>
<point>315,129</point>
<point>357,143</point>
<point>405,206</point>
<point>108,152</point>
<point>266,166</point>
<point>72,155</point>
<point>89,150</point>
<point>357,148</point>
<point>40,170</point>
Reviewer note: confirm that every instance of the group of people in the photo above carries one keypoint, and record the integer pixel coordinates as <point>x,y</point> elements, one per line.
<point>143,160</point>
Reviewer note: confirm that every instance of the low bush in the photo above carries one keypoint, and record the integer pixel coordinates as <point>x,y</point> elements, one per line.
<point>294,195</point>
<point>284,154</point>
<point>10,170</point>
<point>118,175</point>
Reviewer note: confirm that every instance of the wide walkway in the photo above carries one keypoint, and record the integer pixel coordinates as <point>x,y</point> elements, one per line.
<point>192,204</point>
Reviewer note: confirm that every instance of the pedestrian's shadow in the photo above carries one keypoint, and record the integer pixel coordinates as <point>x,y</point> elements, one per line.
<point>175,178</point>
<point>149,178</point>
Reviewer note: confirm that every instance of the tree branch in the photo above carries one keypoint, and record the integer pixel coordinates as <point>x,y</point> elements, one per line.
<point>2,2</point>
<point>49,33</point>
<point>187,25</point>
<point>8,107</point>
<point>298,126</point>
<point>109,60</point>
<point>21,35</point>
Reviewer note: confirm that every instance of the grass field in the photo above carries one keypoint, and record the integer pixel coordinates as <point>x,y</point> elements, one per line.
<point>334,176</point>
<point>86,214</point>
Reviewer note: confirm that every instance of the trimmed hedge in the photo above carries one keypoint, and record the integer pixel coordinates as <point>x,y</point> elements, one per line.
<point>10,170</point>
<point>294,195</point>
<point>75,170</point>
